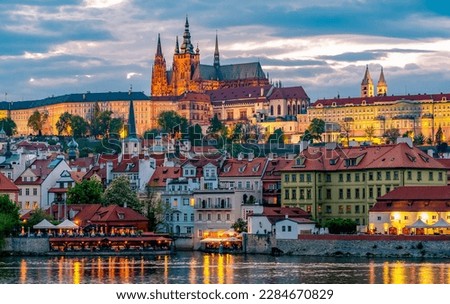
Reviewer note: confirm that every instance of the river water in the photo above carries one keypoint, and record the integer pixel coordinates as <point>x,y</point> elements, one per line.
<point>202,268</point>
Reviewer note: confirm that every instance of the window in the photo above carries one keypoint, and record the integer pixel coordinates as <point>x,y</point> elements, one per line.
<point>357,209</point>
<point>356,193</point>
<point>192,217</point>
<point>348,209</point>
<point>409,175</point>
<point>289,228</point>
<point>440,176</point>
<point>328,209</point>
<point>378,175</point>
<point>378,218</point>
<point>208,217</point>
<point>328,193</point>
<point>286,193</point>
<point>20,192</point>
<point>286,178</point>
<point>302,194</point>
<point>200,217</point>
<point>371,176</point>
<point>341,177</point>
<point>341,209</point>
<point>370,192</point>
<point>218,217</point>
<point>341,193</point>
<point>294,177</point>
<point>349,177</point>
<point>294,194</point>
<point>419,176</point>
<point>388,175</point>
<point>302,178</point>
<point>308,194</point>
<point>308,209</point>
<point>283,228</point>
<point>349,193</point>
<point>27,191</point>
<point>378,191</point>
<point>328,178</point>
<point>185,217</point>
<point>396,175</point>
<point>430,176</point>
<point>356,177</point>
<point>228,216</point>
<point>308,177</point>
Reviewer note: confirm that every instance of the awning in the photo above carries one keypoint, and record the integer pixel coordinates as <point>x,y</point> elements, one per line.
<point>67,224</point>
<point>441,224</point>
<point>44,224</point>
<point>419,224</point>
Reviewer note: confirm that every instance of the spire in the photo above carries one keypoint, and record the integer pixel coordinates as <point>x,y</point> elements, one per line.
<point>216,53</point>
<point>187,47</point>
<point>158,48</point>
<point>367,79</point>
<point>177,48</point>
<point>131,121</point>
<point>382,85</point>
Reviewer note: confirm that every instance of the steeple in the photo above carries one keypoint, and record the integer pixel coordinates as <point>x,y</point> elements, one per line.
<point>177,48</point>
<point>187,46</point>
<point>216,53</point>
<point>131,121</point>
<point>381,85</point>
<point>367,84</point>
<point>158,48</point>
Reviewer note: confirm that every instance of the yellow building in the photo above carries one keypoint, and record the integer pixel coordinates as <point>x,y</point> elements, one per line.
<point>332,182</point>
<point>366,117</point>
<point>412,210</point>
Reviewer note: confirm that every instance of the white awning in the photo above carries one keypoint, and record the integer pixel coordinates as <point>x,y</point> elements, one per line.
<point>44,224</point>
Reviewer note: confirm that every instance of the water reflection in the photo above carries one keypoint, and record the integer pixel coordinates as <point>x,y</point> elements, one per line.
<point>197,268</point>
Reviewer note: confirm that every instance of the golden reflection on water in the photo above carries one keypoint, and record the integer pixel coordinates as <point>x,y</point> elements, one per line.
<point>23,271</point>
<point>426,274</point>
<point>398,273</point>
<point>372,274</point>
<point>206,271</point>
<point>76,272</point>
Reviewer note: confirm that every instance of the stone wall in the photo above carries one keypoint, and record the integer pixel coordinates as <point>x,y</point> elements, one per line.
<point>334,246</point>
<point>26,245</point>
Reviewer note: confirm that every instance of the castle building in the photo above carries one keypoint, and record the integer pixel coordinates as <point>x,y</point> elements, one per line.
<point>188,74</point>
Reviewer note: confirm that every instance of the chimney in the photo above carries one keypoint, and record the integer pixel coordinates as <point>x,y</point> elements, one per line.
<point>262,91</point>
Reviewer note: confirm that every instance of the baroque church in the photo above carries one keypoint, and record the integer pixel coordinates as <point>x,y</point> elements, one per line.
<point>189,75</point>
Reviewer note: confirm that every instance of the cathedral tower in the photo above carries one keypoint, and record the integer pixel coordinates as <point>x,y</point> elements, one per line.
<point>367,84</point>
<point>381,85</point>
<point>159,86</point>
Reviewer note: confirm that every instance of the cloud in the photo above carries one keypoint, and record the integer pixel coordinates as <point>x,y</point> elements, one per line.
<point>102,3</point>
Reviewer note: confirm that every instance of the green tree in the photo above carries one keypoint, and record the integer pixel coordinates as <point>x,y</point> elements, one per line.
<point>37,216</point>
<point>277,136</point>
<point>317,128</point>
<point>115,127</point>
<point>391,135</point>
<point>9,217</point>
<point>171,122</point>
<point>339,225</point>
<point>240,225</point>
<point>37,121</point>
<point>155,210</point>
<point>419,139</point>
<point>120,193</point>
<point>80,127</point>
<point>64,124</point>
<point>216,128</point>
<point>439,136</point>
<point>195,135</point>
<point>9,126</point>
<point>86,192</point>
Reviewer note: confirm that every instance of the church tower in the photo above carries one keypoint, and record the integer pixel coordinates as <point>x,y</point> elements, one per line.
<point>381,85</point>
<point>131,145</point>
<point>367,84</point>
<point>159,86</point>
<point>185,61</point>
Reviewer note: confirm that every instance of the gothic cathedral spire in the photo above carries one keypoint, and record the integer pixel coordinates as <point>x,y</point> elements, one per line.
<point>187,46</point>
<point>381,85</point>
<point>216,54</point>
<point>367,84</point>
<point>159,76</point>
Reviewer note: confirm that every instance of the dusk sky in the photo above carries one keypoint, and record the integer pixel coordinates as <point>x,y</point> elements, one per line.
<point>57,47</point>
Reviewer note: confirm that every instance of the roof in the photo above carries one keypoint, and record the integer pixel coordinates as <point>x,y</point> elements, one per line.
<point>76,97</point>
<point>282,212</point>
<point>6,185</point>
<point>41,168</point>
<point>243,168</point>
<point>230,94</point>
<point>381,99</point>
<point>362,158</point>
<point>127,165</point>
<point>97,214</point>
<point>418,193</point>
<point>289,93</point>
<point>161,174</point>
<point>272,172</point>
<point>240,71</point>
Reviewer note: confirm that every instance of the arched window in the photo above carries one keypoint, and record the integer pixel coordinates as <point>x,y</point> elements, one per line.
<point>278,110</point>
<point>289,110</point>
<point>271,110</point>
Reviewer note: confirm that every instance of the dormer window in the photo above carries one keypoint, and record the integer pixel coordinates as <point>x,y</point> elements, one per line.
<point>121,215</point>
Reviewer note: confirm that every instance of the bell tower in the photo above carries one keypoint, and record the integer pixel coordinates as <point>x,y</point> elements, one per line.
<point>367,84</point>
<point>382,85</point>
<point>159,85</point>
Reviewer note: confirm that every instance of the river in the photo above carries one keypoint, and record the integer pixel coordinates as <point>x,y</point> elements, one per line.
<point>202,268</point>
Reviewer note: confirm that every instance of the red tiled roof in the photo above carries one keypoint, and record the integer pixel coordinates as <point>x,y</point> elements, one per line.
<point>161,174</point>
<point>83,162</point>
<point>380,99</point>
<point>6,185</point>
<point>282,212</point>
<point>40,168</point>
<point>243,168</point>
<point>418,193</point>
<point>101,172</point>
<point>369,157</point>
<point>238,94</point>
<point>289,93</point>
<point>272,172</point>
<point>127,165</point>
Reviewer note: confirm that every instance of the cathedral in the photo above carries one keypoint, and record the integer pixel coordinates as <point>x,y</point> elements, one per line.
<point>189,75</point>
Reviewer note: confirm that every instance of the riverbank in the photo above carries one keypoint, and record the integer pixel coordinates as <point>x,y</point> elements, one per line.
<point>384,246</point>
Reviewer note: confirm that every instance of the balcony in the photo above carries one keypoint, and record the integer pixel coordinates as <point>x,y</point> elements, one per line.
<point>213,206</point>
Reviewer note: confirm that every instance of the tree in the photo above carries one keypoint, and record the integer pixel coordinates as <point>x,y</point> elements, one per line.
<point>391,135</point>
<point>240,225</point>
<point>370,132</point>
<point>346,129</point>
<point>9,126</point>
<point>119,193</point>
<point>419,139</point>
<point>80,127</point>
<point>37,121</point>
<point>9,217</point>
<point>217,129</point>
<point>439,136</point>
<point>339,225</point>
<point>64,123</point>
<point>171,122</point>
<point>37,216</point>
<point>277,136</point>
<point>86,192</point>
<point>115,127</point>
<point>155,210</point>
<point>195,135</point>
<point>317,128</point>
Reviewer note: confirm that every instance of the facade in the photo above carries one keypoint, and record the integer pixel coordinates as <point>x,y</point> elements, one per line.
<point>369,116</point>
<point>7,187</point>
<point>35,182</point>
<point>188,74</point>
<point>412,210</point>
<point>333,182</point>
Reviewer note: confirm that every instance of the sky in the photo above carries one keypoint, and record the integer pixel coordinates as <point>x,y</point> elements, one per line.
<point>57,47</point>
